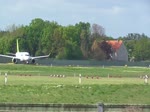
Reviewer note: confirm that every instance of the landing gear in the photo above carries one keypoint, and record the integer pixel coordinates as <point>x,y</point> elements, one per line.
<point>27,62</point>
<point>33,61</point>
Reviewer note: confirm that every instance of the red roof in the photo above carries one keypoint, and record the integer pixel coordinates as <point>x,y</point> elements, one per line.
<point>115,44</point>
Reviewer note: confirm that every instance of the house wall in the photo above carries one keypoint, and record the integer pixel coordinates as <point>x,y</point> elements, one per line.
<point>121,54</point>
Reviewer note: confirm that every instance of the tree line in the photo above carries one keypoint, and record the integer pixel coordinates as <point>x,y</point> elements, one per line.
<point>138,46</point>
<point>79,41</point>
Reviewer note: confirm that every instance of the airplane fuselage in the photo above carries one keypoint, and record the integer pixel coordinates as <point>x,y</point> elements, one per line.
<point>23,56</point>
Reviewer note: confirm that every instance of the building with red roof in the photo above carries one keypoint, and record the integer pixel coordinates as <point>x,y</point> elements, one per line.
<point>119,50</point>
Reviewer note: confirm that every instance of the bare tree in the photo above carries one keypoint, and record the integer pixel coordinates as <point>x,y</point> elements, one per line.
<point>98,31</point>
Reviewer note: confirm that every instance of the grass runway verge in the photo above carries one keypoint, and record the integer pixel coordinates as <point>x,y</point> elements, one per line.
<point>39,80</point>
<point>34,84</point>
<point>45,89</point>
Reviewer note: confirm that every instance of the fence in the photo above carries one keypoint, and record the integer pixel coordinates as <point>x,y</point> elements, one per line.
<point>90,63</point>
<point>72,108</point>
<point>81,62</point>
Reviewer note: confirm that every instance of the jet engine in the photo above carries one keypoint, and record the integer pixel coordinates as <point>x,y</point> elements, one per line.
<point>14,60</point>
<point>33,61</point>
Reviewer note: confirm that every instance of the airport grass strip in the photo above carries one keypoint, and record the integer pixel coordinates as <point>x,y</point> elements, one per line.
<point>82,94</point>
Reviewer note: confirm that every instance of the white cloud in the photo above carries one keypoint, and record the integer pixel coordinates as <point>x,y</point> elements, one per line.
<point>117,10</point>
<point>114,15</point>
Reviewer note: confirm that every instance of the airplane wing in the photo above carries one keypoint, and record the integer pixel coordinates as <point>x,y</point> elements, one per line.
<point>7,56</point>
<point>11,54</point>
<point>37,57</point>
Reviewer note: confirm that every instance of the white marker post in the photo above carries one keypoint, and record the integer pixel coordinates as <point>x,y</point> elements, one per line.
<point>5,78</point>
<point>146,79</point>
<point>79,78</point>
<point>108,76</point>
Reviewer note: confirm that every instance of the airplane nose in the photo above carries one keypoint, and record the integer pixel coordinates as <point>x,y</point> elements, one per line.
<point>27,58</point>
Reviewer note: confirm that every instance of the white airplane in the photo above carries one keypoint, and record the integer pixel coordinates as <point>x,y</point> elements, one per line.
<point>23,56</point>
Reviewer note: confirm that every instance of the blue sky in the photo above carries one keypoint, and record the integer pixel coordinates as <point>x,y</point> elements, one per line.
<point>118,17</point>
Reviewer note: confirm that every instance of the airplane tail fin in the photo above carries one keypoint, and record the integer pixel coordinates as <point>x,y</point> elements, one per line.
<point>17,46</point>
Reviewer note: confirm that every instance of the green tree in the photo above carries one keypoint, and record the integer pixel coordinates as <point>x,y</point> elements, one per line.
<point>137,46</point>
<point>48,38</point>
<point>58,43</point>
<point>71,48</point>
<point>83,30</point>
<point>141,49</point>
<point>34,33</point>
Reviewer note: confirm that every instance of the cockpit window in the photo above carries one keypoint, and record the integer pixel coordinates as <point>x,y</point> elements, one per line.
<point>26,54</point>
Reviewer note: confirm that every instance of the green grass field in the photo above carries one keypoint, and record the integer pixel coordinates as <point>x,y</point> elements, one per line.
<point>34,84</point>
<point>13,69</point>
